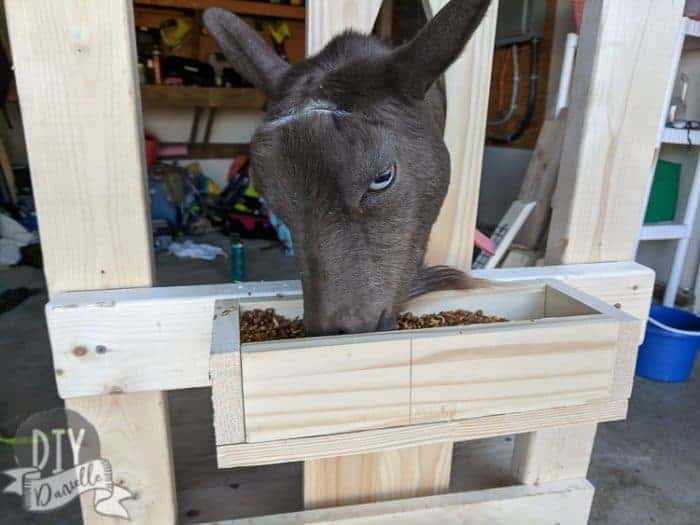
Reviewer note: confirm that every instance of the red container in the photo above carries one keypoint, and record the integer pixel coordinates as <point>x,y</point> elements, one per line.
<point>151,149</point>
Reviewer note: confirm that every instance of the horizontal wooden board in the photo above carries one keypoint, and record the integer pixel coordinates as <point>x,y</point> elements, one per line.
<point>317,447</point>
<point>167,343</point>
<point>326,389</point>
<point>562,502</point>
<point>542,366</point>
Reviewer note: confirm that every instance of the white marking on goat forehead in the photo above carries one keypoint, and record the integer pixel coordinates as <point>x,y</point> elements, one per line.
<point>311,107</point>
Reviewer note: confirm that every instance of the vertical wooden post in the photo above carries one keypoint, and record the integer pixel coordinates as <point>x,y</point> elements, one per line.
<point>328,18</point>
<point>468,84</point>
<point>624,61</point>
<point>425,470</point>
<point>75,64</point>
<point>382,475</point>
<point>625,58</point>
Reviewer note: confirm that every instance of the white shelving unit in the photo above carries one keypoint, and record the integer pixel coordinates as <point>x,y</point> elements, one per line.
<point>679,232</point>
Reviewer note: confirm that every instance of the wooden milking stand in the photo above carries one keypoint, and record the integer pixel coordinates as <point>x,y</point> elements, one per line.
<point>76,75</point>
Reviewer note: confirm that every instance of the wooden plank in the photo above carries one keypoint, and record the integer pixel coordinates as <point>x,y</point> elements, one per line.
<point>507,229</point>
<point>627,286</point>
<point>624,60</point>
<point>563,502</point>
<point>92,211</point>
<point>453,373</point>
<point>326,389</point>
<point>467,82</point>
<point>241,7</point>
<point>466,376</point>
<point>379,476</point>
<point>553,454</point>
<point>188,97</point>
<point>85,145</point>
<point>369,441</point>
<point>540,181</point>
<point>174,324</point>
<point>226,374</point>
<point>328,18</point>
<point>145,470</point>
<point>325,19</point>
<point>625,56</point>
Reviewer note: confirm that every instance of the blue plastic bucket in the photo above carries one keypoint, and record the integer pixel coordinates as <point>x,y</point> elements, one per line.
<point>670,346</point>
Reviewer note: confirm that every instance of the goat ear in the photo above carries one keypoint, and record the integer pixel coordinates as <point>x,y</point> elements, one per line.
<point>421,61</point>
<point>249,54</point>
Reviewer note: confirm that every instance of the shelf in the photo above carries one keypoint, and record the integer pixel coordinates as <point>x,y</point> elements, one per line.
<point>209,151</point>
<point>241,7</point>
<point>680,136</point>
<point>664,232</point>
<point>201,97</point>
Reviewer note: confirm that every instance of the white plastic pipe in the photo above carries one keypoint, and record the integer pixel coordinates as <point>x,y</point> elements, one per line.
<point>659,324</point>
<point>567,71</point>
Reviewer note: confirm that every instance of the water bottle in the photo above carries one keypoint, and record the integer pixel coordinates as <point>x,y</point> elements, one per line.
<point>237,259</point>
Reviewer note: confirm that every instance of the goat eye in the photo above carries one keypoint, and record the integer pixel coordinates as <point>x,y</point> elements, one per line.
<point>383,180</point>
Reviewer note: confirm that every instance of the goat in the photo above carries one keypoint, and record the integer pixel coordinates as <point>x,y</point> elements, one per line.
<point>351,157</point>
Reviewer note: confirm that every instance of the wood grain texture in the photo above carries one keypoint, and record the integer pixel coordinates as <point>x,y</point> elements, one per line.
<point>388,475</point>
<point>627,286</point>
<point>369,441</point>
<point>175,325</point>
<point>84,138</point>
<point>326,389</point>
<point>540,181</point>
<point>328,18</point>
<point>226,375</point>
<point>553,454</point>
<point>325,19</point>
<point>466,376</point>
<point>134,433</point>
<point>624,60</point>
<point>467,82</point>
<point>564,503</point>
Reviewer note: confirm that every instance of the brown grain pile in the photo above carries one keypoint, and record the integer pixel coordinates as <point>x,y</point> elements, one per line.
<point>265,325</point>
<point>409,321</point>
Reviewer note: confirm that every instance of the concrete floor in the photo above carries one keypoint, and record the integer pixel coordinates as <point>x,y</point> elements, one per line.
<point>645,469</point>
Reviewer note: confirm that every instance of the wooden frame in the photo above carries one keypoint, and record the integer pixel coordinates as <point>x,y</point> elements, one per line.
<point>95,236</point>
<point>175,325</point>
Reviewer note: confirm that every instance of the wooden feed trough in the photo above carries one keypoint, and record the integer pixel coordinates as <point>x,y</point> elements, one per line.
<point>560,348</point>
<point>374,418</point>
